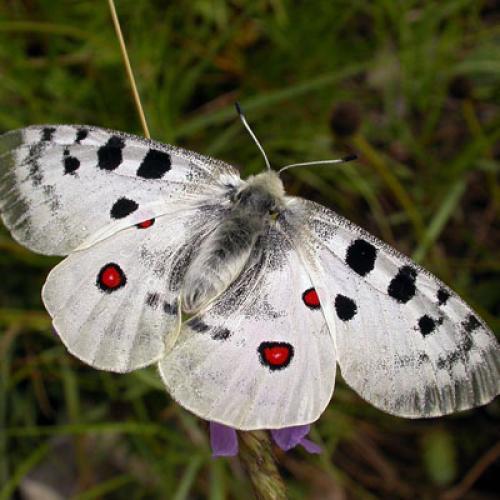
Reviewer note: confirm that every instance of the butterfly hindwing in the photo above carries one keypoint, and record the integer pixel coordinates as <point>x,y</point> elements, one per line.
<point>261,355</point>
<point>65,186</point>
<point>115,305</point>
<point>405,341</point>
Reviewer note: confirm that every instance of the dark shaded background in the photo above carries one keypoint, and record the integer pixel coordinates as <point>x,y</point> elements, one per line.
<point>413,87</point>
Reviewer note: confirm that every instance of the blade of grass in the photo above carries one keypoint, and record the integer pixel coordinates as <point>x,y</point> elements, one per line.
<point>270,99</point>
<point>105,487</point>
<point>46,28</point>
<point>445,211</point>
<point>22,469</point>
<point>392,182</point>
<point>217,480</point>
<point>5,355</point>
<point>102,427</point>
<point>35,320</point>
<point>188,478</point>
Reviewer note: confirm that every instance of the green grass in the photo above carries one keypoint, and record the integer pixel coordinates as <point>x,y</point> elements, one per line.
<point>426,182</point>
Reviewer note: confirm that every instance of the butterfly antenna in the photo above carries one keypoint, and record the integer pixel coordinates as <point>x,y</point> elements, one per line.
<point>322,162</point>
<point>247,126</point>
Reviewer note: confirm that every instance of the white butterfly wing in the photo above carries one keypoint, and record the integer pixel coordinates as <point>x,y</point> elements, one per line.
<point>115,305</point>
<point>258,357</point>
<point>405,342</point>
<point>67,186</point>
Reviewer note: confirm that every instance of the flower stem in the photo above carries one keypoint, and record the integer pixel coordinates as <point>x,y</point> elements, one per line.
<point>258,459</point>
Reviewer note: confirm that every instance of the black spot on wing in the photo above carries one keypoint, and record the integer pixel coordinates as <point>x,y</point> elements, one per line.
<point>152,300</point>
<point>442,296</point>
<point>197,325</point>
<point>360,256</point>
<point>81,134</point>
<point>447,362</point>
<point>49,192</point>
<point>402,286</point>
<point>471,323</point>
<point>217,333</point>
<point>123,207</point>
<point>154,165</point>
<point>423,358</point>
<point>466,344</point>
<point>426,324</point>
<point>71,164</point>
<point>221,334</point>
<point>345,307</point>
<point>170,308</point>
<point>33,161</point>
<point>48,133</point>
<point>109,156</point>
<point>457,355</point>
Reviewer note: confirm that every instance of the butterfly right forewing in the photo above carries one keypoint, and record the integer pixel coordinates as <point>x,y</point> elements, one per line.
<point>405,341</point>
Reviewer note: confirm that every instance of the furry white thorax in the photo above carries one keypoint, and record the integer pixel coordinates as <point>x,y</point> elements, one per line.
<point>223,254</point>
<point>270,181</point>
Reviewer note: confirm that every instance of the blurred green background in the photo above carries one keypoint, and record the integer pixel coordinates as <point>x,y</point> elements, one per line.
<point>413,87</point>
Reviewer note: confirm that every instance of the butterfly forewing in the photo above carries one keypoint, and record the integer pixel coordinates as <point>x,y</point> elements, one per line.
<point>405,341</point>
<point>62,187</point>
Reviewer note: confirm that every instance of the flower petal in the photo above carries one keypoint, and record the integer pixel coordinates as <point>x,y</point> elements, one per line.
<point>289,437</point>
<point>223,440</point>
<point>311,447</point>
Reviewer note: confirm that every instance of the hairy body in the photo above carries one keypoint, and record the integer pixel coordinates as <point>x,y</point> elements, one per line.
<point>223,254</point>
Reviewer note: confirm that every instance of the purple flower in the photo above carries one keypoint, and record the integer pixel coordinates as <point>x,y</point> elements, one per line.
<point>289,437</point>
<point>224,440</point>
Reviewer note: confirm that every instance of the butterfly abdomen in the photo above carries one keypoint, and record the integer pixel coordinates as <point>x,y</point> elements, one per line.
<point>219,260</point>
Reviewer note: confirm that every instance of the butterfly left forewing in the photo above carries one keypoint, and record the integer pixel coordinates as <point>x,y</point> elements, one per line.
<point>65,186</point>
<point>260,356</point>
<point>405,341</point>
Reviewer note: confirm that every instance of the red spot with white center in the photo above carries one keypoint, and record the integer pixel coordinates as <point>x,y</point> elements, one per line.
<point>145,224</point>
<point>275,355</point>
<point>111,277</point>
<point>311,299</point>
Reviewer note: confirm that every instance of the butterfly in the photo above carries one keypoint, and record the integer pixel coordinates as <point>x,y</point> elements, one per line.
<point>246,298</point>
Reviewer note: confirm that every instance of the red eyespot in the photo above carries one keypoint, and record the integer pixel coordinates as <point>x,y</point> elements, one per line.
<point>111,277</point>
<point>311,299</point>
<point>145,224</point>
<point>275,355</point>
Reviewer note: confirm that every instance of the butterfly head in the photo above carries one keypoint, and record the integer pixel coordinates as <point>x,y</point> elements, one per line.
<point>261,194</point>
